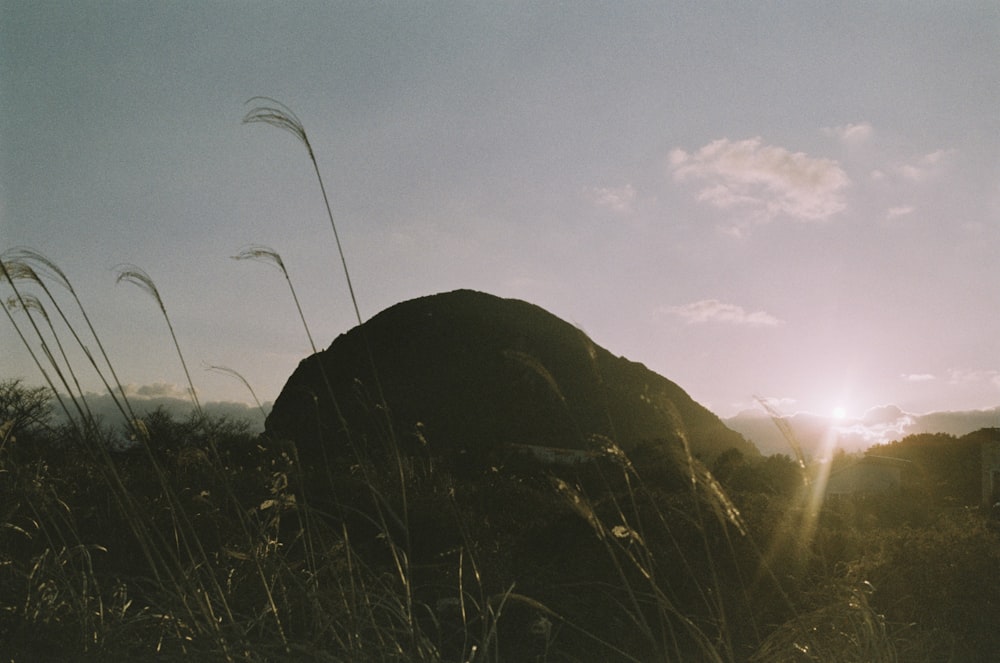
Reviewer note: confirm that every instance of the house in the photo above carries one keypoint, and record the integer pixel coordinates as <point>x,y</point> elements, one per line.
<point>869,475</point>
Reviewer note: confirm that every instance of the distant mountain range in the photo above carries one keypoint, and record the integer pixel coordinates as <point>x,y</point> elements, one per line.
<point>103,407</point>
<point>879,425</point>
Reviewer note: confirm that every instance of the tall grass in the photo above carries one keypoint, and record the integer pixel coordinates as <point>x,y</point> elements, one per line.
<point>176,556</point>
<point>274,113</point>
<point>269,256</point>
<point>139,278</point>
<point>289,583</point>
<point>227,551</point>
<point>268,111</point>
<point>86,436</point>
<point>34,265</point>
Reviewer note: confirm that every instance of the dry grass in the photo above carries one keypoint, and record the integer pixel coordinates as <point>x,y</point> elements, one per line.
<point>230,555</point>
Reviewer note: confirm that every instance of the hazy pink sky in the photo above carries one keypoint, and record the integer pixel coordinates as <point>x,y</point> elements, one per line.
<point>798,201</point>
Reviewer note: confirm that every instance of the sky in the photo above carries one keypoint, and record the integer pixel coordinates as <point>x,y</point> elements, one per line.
<point>794,201</point>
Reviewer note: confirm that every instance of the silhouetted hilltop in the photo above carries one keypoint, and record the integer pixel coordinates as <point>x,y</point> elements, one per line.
<point>466,374</point>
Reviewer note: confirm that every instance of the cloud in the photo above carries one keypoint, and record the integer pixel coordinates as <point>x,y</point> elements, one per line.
<point>902,210</point>
<point>175,401</point>
<point>851,134</point>
<point>712,310</point>
<point>618,199</point>
<point>879,425</point>
<point>882,415</point>
<point>927,166</point>
<point>156,390</point>
<point>971,376</point>
<point>860,435</point>
<point>776,402</point>
<point>763,181</point>
<point>918,377</point>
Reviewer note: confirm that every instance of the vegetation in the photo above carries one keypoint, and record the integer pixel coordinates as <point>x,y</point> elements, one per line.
<point>215,543</point>
<point>946,468</point>
<point>167,538</point>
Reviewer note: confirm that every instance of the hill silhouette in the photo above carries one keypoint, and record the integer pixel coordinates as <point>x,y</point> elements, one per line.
<point>466,374</point>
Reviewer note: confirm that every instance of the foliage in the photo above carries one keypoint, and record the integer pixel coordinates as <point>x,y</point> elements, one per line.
<point>23,410</point>
<point>946,467</point>
<point>525,563</point>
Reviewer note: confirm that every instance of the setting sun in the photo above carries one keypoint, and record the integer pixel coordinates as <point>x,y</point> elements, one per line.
<point>838,412</point>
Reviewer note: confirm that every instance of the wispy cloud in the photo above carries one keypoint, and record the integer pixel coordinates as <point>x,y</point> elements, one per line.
<point>927,166</point>
<point>776,402</point>
<point>861,434</point>
<point>762,181</point>
<point>619,199</point>
<point>901,210</point>
<point>712,310</point>
<point>918,377</point>
<point>970,376</point>
<point>174,400</point>
<point>156,390</point>
<point>851,134</point>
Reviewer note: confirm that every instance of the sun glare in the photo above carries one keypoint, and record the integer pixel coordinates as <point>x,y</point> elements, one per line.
<point>839,412</point>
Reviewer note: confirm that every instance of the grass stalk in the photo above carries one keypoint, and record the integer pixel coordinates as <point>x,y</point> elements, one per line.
<point>34,265</point>
<point>234,374</point>
<point>269,256</point>
<point>136,276</point>
<point>266,110</point>
<point>276,114</point>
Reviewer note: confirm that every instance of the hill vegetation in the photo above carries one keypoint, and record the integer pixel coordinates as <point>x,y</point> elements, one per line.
<point>207,541</point>
<point>946,467</point>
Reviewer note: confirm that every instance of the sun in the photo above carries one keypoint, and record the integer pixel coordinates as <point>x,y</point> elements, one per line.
<point>839,413</point>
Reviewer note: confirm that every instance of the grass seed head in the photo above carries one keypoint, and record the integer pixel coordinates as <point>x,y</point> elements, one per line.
<point>15,270</point>
<point>37,264</point>
<point>272,112</point>
<point>136,276</point>
<point>261,253</point>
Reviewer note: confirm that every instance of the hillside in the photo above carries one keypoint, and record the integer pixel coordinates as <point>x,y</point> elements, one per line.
<point>947,468</point>
<point>468,374</point>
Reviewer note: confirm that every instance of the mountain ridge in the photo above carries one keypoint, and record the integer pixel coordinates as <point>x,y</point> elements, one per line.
<point>819,435</point>
<point>468,373</point>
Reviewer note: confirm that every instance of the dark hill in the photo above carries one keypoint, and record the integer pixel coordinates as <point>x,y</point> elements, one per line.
<point>467,374</point>
<point>948,469</point>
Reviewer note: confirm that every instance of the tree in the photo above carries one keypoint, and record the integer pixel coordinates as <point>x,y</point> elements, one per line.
<point>22,408</point>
